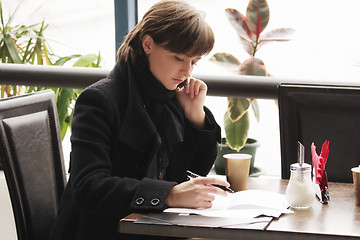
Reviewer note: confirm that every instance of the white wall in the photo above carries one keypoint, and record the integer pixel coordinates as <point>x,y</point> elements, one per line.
<point>7,224</point>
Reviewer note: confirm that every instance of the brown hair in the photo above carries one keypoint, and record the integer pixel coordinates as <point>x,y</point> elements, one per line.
<point>174,25</point>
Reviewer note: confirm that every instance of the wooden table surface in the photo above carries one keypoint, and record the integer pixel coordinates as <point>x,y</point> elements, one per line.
<point>339,219</point>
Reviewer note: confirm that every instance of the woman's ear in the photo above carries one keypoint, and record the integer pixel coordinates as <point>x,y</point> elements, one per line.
<point>147,43</point>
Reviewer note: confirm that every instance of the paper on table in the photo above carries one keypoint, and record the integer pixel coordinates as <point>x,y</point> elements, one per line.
<point>243,204</point>
<point>203,221</point>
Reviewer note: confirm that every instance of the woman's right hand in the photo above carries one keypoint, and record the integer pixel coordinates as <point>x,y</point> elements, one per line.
<point>195,193</point>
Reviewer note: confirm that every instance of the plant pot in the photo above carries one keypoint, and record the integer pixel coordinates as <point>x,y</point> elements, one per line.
<point>249,148</point>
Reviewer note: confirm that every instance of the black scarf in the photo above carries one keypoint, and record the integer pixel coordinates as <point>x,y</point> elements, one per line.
<point>164,110</point>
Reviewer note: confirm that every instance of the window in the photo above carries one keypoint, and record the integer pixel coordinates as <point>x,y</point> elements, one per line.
<point>323,48</point>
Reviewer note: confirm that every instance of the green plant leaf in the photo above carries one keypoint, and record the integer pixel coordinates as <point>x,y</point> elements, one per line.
<point>6,25</point>
<point>226,60</point>
<point>27,50</point>
<point>64,97</point>
<point>86,61</point>
<point>12,49</point>
<point>61,61</point>
<point>67,124</point>
<point>236,132</point>
<point>253,66</point>
<point>46,53</point>
<point>19,42</point>
<point>237,107</point>
<point>257,16</point>
<point>98,60</point>
<point>1,16</point>
<point>3,54</point>
<point>38,52</point>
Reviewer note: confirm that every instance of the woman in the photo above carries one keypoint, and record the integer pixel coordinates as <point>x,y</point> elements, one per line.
<point>136,133</point>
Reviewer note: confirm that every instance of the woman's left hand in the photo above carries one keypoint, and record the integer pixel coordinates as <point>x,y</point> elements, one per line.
<point>191,97</point>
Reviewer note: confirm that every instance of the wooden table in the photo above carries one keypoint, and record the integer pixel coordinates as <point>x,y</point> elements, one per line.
<point>340,219</point>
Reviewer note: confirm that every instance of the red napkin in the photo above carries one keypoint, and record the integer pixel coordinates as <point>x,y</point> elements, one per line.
<point>319,163</point>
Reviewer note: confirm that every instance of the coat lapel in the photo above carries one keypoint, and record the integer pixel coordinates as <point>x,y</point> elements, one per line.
<point>137,129</point>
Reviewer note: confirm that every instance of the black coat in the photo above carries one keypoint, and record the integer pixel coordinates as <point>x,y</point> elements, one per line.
<point>113,144</point>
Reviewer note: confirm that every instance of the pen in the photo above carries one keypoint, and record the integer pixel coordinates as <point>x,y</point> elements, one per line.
<point>194,175</point>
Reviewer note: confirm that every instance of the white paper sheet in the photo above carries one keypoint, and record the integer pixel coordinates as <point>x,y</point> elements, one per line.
<point>244,204</point>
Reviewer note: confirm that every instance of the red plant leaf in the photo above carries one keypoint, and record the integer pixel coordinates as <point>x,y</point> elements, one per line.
<point>238,21</point>
<point>252,66</point>
<point>257,16</point>
<point>258,25</point>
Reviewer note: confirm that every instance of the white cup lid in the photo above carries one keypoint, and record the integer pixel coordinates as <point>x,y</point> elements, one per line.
<point>356,169</point>
<point>237,156</point>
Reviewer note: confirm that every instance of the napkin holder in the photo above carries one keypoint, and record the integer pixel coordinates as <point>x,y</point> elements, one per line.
<point>319,173</point>
<point>322,192</point>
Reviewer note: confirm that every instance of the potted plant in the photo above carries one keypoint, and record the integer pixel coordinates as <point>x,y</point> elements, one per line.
<point>250,29</point>
<point>26,44</point>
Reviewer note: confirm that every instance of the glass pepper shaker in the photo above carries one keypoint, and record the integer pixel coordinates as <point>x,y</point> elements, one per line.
<point>300,191</point>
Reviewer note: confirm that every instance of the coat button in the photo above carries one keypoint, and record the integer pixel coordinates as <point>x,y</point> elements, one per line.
<point>155,201</point>
<point>139,201</point>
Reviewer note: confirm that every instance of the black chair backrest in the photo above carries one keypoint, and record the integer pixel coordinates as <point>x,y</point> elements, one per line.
<point>315,113</point>
<point>31,153</point>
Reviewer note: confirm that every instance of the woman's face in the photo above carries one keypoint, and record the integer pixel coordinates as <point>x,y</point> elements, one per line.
<point>167,67</point>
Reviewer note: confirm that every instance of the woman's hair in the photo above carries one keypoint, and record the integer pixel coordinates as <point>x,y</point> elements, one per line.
<point>174,25</point>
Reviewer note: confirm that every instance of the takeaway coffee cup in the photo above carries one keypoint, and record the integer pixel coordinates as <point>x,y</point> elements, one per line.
<point>356,179</point>
<point>237,166</point>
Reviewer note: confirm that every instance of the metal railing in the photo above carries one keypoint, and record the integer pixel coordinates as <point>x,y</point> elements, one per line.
<point>218,85</point>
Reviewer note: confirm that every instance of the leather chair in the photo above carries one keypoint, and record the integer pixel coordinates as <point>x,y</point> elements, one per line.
<point>315,113</point>
<point>31,153</point>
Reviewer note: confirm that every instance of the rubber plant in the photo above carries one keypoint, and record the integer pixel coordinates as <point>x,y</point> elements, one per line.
<point>26,44</point>
<point>250,29</point>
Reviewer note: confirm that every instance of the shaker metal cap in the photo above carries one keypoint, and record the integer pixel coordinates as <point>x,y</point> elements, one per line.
<point>300,167</point>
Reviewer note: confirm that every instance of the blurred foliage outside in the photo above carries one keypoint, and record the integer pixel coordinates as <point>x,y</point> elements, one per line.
<point>27,44</point>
